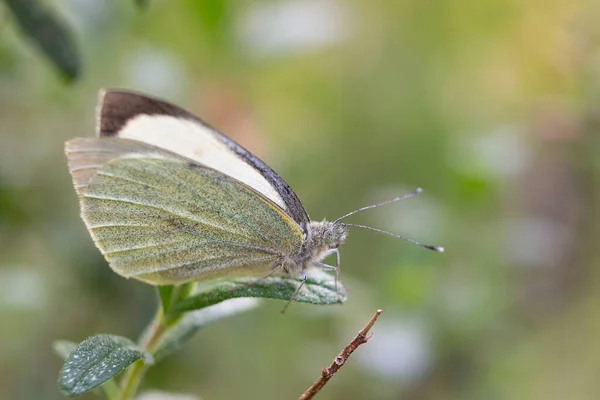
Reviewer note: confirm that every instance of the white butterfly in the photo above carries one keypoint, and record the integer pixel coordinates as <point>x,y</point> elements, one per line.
<point>168,199</point>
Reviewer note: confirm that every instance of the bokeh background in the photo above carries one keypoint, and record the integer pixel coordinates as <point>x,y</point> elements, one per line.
<point>493,107</point>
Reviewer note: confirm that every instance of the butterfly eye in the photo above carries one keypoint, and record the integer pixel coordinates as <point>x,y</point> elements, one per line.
<point>328,238</point>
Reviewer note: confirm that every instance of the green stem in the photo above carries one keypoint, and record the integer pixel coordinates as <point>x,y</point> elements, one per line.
<point>148,341</point>
<point>132,379</point>
<point>111,389</point>
<point>133,376</point>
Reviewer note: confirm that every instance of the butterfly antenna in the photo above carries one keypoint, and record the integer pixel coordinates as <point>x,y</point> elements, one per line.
<point>395,199</point>
<point>425,246</point>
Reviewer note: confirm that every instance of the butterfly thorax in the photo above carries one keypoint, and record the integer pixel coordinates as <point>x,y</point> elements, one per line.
<point>319,239</point>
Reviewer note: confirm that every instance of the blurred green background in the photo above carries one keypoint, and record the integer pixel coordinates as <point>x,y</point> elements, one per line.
<point>492,107</point>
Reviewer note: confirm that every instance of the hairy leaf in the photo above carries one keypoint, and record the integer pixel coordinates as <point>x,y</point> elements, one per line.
<point>95,360</point>
<point>320,288</point>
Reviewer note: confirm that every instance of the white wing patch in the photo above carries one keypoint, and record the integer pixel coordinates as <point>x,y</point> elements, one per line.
<point>197,142</point>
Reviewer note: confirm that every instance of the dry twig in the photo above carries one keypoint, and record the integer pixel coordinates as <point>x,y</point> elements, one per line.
<point>337,363</point>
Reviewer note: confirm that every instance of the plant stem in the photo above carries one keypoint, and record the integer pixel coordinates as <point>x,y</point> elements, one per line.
<point>149,339</point>
<point>133,376</point>
<point>111,389</point>
<point>132,379</point>
<point>340,360</point>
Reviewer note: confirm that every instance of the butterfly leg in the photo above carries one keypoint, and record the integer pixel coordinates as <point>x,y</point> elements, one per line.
<point>327,266</point>
<point>337,275</point>
<point>303,278</point>
<point>336,269</point>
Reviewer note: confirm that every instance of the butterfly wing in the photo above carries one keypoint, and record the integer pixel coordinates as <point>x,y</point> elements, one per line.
<point>165,219</point>
<point>129,115</point>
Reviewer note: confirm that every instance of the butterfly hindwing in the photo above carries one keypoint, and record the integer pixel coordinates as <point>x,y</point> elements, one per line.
<point>130,115</point>
<point>166,219</point>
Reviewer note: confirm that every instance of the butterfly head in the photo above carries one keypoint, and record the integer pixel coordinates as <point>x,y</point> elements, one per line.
<point>334,234</point>
<point>326,235</point>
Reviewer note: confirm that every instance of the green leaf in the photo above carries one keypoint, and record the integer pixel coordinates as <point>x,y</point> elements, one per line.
<point>47,33</point>
<point>166,296</point>
<point>318,289</point>
<point>95,360</point>
<point>191,322</point>
<point>63,348</point>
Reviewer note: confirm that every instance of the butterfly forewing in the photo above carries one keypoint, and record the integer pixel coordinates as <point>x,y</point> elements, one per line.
<point>87,155</point>
<point>165,219</point>
<point>133,116</point>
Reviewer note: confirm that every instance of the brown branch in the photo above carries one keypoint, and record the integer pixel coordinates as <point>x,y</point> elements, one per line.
<point>337,363</point>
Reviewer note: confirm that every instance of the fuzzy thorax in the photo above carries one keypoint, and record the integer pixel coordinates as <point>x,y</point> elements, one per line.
<point>320,239</point>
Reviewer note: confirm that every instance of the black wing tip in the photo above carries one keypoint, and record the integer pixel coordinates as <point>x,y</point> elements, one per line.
<point>116,107</point>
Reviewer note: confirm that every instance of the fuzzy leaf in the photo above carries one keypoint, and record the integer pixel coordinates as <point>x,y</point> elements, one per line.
<point>191,322</point>
<point>319,289</point>
<point>48,33</point>
<point>95,360</point>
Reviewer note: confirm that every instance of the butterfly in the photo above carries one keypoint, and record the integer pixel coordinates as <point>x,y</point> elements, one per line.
<point>168,199</point>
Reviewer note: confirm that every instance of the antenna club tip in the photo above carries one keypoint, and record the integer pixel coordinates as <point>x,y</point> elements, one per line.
<point>439,249</point>
<point>418,190</point>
